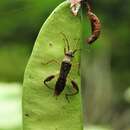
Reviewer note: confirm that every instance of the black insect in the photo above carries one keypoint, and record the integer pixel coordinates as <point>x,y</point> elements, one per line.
<point>65,68</point>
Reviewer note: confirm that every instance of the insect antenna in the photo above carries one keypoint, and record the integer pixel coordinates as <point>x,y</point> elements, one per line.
<point>76,44</point>
<point>68,46</point>
<point>78,49</point>
<point>75,51</point>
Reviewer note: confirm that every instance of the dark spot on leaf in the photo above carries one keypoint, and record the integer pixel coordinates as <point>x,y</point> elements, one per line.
<point>50,44</point>
<point>27,115</point>
<point>30,76</point>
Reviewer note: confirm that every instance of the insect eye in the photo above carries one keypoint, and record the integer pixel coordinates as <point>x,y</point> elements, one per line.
<point>67,54</point>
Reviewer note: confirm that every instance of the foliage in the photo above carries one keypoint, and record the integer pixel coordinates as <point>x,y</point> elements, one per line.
<point>20,21</point>
<point>41,110</point>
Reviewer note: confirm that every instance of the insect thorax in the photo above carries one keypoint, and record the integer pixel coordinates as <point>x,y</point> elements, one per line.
<point>67,59</point>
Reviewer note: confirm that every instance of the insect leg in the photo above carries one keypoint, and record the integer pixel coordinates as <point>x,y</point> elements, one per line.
<point>75,86</point>
<point>49,78</point>
<point>51,61</point>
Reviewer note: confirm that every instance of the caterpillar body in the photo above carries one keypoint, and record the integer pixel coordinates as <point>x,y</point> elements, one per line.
<point>95,26</point>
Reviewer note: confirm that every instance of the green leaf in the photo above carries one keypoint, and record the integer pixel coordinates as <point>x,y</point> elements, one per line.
<point>42,110</point>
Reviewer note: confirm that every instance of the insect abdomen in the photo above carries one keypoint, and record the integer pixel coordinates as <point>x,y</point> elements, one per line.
<point>61,82</point>
<point>59,87</point>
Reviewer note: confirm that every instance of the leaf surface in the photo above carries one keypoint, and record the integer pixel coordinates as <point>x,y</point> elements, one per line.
<point>41,109</point>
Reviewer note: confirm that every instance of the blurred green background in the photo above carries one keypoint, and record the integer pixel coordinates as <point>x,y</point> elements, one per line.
<point>106,83</point>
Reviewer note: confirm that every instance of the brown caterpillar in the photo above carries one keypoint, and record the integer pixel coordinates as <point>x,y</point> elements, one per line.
<point>95,25</point>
